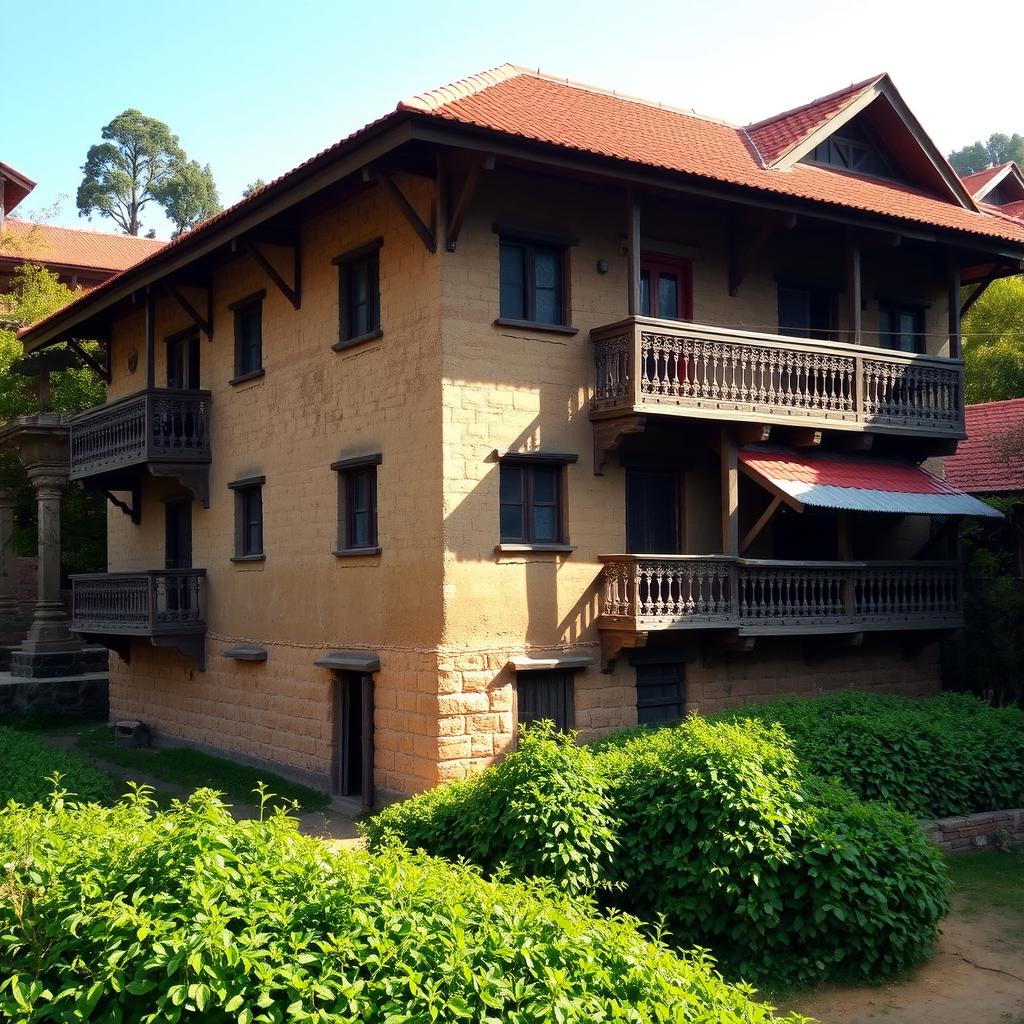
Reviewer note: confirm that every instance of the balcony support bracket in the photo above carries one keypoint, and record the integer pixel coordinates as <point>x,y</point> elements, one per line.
<point>292,292</point>
<point>102,370</point>
<point>190,646</point>
<point>134,510</point>
<point>609,435</point>
<point>194,476</point>
<point>120,645</point>
<point>740,262</point>
<point>614,641</point>
<point>765,518</point>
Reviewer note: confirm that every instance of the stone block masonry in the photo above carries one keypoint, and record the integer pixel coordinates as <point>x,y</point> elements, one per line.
<point>991,829</point>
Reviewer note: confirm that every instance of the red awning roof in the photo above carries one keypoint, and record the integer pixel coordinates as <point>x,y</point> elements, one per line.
<point>830,480</point>
<point>991,460</point>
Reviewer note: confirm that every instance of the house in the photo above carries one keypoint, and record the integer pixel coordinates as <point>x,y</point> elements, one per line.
<point>990,464</point>
<point>999,190</point>
<point>80,259</point>
<point>532,400</point>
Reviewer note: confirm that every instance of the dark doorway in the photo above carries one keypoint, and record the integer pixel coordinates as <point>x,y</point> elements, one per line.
<point>652,512</point>
<point>183,362</point>
<point>355,736</point>
<point>545,695</point>
<point>659,694</point>
<point>178,553</point>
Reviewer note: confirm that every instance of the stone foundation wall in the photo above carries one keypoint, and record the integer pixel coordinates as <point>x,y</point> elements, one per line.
<point>976,831</point>
<point>85,698</point>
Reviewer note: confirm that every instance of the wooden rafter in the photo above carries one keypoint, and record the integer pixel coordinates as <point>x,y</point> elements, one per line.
<point>464,198</point>
<point>292,292</point>
<point>763,520</point>
<point>980,289</point>
<point>204,323</point>
<point>103,369</point>
<point>427,234</point>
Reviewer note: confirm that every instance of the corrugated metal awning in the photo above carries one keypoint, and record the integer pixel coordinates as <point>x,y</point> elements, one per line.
<point>832,480</point>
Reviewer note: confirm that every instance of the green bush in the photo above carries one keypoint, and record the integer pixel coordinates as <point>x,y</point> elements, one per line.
<point>717,835</point>
<point>784,879</point>
<point>542,811</point>
<point>946,755</point>
<point>125,915</point>
<point>27,766</point>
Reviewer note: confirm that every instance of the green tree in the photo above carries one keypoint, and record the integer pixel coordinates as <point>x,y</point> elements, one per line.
<point>979,155</point>
<point>993,342</point>
<point>188,196</point>
<point>125,172</point>
<point>253,186</point>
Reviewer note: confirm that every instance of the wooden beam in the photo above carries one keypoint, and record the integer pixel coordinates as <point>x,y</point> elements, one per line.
<point>103,370</point>
<point>740,263</point>
<point>203,323</point>
<point>752,433</point>
<point>765,518</point>
<point>953,286</point>
<point>633,252</point>
<point>461,204</point>
<point>979,290</point>
<point>427,236</point>
<point>150,340</point>
<point>730,495</point>
<point>292,294</point>
<point>804,437</point>
<point>853,290</point>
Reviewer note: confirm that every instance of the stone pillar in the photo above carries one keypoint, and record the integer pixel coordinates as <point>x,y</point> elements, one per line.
<point>49,631</point>
<point>8,564</point>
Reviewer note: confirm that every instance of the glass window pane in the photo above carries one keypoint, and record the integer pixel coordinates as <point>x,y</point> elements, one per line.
<point>547,271</point>
<point>645,293</point>
<point>668,297</point>
<point>545,268</point>
<point>544,481</point>
<point>511,525</point>
<point>361,529</point>
<point>511,485</point>
<point>544,527</point>
<point>513,281</point>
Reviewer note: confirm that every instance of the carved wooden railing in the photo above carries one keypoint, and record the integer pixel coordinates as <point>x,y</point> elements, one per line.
<point>645,592</point>
<point>707,371</point>
<point>148,603</point>
<point>157,425</point>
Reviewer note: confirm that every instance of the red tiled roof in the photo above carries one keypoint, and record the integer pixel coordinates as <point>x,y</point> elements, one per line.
<point>828,480</point>
<point>991,460</point>
<point>975,182</point>
<point>532,106</point>
<point>16,186</point>
<point>777,135</point>
<point>72,247</point>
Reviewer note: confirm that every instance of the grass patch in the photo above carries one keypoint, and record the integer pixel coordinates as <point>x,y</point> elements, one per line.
<point>195,770</point>
<point>990,882</point>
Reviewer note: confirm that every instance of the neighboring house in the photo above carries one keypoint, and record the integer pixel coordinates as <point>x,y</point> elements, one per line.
<point>990,464</point>
<point>999,190</point>
<point>530,400</point>
<point>81,259</point>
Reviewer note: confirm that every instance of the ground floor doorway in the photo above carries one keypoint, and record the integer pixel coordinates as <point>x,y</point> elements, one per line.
<point>354,736</point>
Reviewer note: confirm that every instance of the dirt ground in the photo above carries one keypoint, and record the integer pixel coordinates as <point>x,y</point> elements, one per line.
<point>975,977</point>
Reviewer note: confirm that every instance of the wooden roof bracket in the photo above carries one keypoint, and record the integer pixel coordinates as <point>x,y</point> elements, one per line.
<point>427,233</point>
<point>741,260</point>
<point>205,324</point>
<point>457,214</point>
<point>134,510</point>
<point>980,289</point>
<point>293,293</point>
<point>609,435</point>
<point>765,518</point>
<point>102,369</point>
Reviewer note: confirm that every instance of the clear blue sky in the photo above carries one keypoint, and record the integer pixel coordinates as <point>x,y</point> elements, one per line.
<point>254,87</point>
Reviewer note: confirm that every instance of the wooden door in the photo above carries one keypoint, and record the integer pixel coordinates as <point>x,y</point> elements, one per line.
<point>652,512</point>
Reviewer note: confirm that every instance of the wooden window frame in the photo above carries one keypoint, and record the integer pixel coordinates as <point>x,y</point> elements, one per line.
<point>178,338</point>
<point>828,290</point>
<point>919,311</point>
<point>245,488</point>
<point>346,470</point>
<point>346,262</point>
<point>528,462</point>
<point>238,308</point>
<point>655,262</point>
<point>530,241</point>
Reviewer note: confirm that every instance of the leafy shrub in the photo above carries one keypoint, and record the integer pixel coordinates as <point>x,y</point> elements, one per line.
<point>27,766</point>
<point>542,811</point>
<point>719,836</point>
<point>946,755</point>
<point>722,839</point>
<point>121,914</point>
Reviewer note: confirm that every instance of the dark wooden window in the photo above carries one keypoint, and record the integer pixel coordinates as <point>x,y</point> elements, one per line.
<point>532,279</point>
<point>659,693</point>
<point>531,503</point>
<point>806,312</point>
<point>248,336</point>
<point>359,293</point>
<point>248,517</point>
<point>901,327</point>
<point>666,287</point>
<point>545,695</point>
<point>652,512</point>
<point>183,361</point>
<point>357,503</point>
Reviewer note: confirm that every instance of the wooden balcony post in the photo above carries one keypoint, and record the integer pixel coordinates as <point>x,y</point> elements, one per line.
<point>730,496</point>
<point>953,278</point>
<point>853,291</point>
<point>633,252</point>
<point>150,341</point>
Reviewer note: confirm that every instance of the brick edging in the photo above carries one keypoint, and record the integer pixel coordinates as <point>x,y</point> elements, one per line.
<point>976,831</point>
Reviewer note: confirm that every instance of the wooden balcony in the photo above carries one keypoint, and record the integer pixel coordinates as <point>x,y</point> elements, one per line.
<point>757,597</point>
<point>162,430</point>
<point>166,606</point>
<point>682,369</point>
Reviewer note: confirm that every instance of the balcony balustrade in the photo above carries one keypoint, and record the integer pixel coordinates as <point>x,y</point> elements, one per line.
<point>164,429</point>
<point>659,366</point>
<point>167,606</point>
<point>756,596</point>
